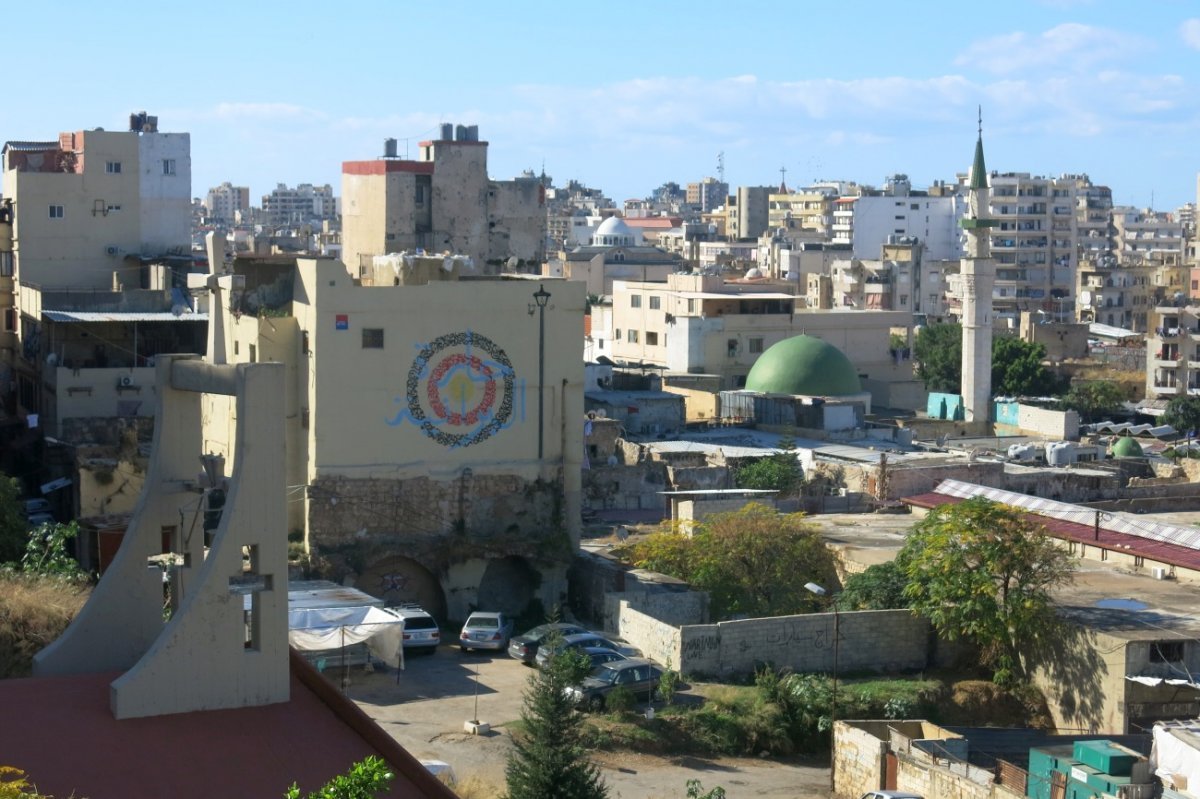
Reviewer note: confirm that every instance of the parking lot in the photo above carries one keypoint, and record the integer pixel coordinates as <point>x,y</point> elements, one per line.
<point>424,708</point>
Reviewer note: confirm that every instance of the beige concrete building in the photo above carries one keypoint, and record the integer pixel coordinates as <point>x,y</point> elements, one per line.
<point>442,201</point>
<point>1146,236</point>
<point>1118,295</point>
<point>226,203</point>
<point>434,432</point>
<point>805,210</point>
<point>699,324</point>
<point>94,236</point>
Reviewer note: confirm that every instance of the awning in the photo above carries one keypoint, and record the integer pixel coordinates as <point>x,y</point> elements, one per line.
<point>1156,681</point>
<point>313,629</point>
<point>122,316</point>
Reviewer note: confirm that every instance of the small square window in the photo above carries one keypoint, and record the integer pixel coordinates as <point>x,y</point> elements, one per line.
<point>1166,652</point>
<point>631,336</point>
<point>168,166</point>
<point>372,338</point>
<point>618,334</point>
<point>112,167</point>
<point>635,300</point>
<point>756,346</point>
<point>655,302</point>
<point>56,212</point>
<point>651,339</point>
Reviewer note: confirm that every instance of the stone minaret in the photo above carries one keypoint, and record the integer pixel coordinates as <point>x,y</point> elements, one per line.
<point>978,277</point>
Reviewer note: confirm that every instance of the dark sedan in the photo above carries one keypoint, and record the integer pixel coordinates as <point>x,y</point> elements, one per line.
<point>525,647</point>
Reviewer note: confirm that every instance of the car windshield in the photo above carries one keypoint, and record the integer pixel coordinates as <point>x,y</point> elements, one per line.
<point>606,675</point>
<point>419,623</point>
<point>490,622</point>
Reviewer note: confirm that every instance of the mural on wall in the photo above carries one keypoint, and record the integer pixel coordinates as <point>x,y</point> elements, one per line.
<point>461,390</point>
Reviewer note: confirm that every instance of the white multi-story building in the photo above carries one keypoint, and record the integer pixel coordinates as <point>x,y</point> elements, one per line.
<point>1146,236</point>
<point>226,202</point>
<point>302,205</point>
<point>933,221</point>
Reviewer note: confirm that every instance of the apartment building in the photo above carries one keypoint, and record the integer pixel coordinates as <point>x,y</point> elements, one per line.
<point>707,195</point>
<point>699,324</point>
<point>1147,236</point>
<point>1118,295</point>
<point>1093,219</point>
<point>1035,244</point>
<point>443,201</point>
<point>95,244</point>
<point>933,221</point>
<point>225,204</point>
<point>809,211</point>
<point>302,205</point>
<point>1173,351</point>
<point>747,212</point>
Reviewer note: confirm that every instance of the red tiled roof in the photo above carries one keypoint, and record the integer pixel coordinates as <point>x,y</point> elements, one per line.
<point>1159,551</point>
<point>383,166</point>
<point>68,743</point>
<point>654,222</point>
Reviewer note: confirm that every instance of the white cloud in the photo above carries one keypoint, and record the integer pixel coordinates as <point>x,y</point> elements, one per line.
<point>1190,30</point>
<point>1071,47</point>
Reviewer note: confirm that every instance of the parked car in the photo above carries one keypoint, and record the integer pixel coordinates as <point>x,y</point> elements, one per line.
<point>637,674</point>
<point>890,795</point>
<point>420,629</point>
<point>29,507</point>
<point>581,641</point>
<point>36,520</point>
<point>525,647</point>
<point>485,631</point>
<point>599,655</point>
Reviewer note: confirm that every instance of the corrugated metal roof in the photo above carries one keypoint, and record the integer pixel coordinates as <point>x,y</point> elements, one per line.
<point>30,146</point>
<point>122,316</point>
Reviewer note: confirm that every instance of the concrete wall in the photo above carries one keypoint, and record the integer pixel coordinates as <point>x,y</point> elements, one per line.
<point>1014,418</point>
<point>802,643</point>
<point>944,406</point>
<point>633,487</point>
<point>659,641</point>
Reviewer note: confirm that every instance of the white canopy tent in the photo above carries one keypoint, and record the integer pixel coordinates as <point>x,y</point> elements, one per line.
<point>316,629</point>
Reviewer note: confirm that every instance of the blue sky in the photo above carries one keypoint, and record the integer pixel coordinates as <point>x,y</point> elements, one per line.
<point>625,96</point>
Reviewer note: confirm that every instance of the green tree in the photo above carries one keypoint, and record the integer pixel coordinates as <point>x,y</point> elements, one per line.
<point>1183,413</point>
<point>780,472</point>
<point>938,354</point>
<point>980,571</point>
<point>365,780</point>
<point>747,560</point>
<point>1095,400</point>
<point>878,587</point>
<point>549,759</point>
<point>46,551</point>
<point>695,790</point>
<point>1017,368</point>
<point>13,534</point>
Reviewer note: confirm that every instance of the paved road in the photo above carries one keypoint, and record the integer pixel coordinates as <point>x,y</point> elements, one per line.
<point>425,709</point>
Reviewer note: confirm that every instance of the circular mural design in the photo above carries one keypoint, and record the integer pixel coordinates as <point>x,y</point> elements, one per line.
<point>460,389</point>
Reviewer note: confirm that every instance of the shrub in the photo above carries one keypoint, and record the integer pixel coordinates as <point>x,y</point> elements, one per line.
<point>620,700</point>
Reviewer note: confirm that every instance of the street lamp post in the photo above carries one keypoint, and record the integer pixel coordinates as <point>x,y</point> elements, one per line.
<point>541,297</point>
<point>819,590</point>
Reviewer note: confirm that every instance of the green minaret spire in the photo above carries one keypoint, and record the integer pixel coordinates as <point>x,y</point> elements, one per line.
<point>978,168</point>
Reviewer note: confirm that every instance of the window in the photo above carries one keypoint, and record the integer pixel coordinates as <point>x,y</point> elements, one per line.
<point>903,300</point>
<point>599,343</point>
<point>420,195</point>
<point>691,306</point>
<point>756,346</point>
<point>112,167</point>
<point>6,261</point>
<point>10,319</point>
<point>631,336</point>
<point>651,339</point>
<point>372,338</point>
<point>235,347</point>
<point>56,212</point>
<point>253,354</point>
<point>112,208</point>
<point>915,206</point>
<point>635,300</point>
<point>168,165</point>
<point>617,337</point>
<point>1166,652</point>
<point>656,301</point>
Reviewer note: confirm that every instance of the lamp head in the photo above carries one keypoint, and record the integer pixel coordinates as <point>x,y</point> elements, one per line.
<point>813,588</point>
<point>541,296</point>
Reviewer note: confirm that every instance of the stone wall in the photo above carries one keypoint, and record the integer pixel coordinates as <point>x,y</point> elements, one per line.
<point>693,478</point>
<point>858,756</point>
<point>657,640</point>
<point>633,487</point>
<point>869,640</point>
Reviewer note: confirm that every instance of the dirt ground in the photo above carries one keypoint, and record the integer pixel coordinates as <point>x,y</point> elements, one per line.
<point>426,707</point>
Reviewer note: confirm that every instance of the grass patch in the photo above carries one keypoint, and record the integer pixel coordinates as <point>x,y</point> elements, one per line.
<point>33,612</point>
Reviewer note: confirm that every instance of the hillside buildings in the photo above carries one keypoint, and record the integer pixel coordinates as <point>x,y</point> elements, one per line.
<point>225,204</point>
<point>303,205</point>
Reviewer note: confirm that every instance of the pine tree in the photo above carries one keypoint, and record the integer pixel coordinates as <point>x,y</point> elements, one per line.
<point>549,761</point>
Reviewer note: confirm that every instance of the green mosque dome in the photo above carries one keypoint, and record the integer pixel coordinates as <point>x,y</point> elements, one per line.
<point>804,365</point>
<point>1126,447</point>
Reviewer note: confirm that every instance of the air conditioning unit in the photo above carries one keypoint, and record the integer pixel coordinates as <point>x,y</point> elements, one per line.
<point>111,249</point>
<point>125,381</point>
<point>1160,573</point>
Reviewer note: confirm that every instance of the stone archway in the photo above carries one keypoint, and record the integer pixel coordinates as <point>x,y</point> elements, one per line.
<point>398,580</point>
<point>508,584</point>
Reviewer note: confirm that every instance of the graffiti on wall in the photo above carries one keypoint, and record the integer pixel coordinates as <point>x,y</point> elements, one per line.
<point>461,390</point>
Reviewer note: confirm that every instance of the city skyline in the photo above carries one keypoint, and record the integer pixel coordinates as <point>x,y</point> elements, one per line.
<point>625,100</point>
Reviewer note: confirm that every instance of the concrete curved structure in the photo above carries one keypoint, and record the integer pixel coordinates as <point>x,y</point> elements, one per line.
<point>806,366</point>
